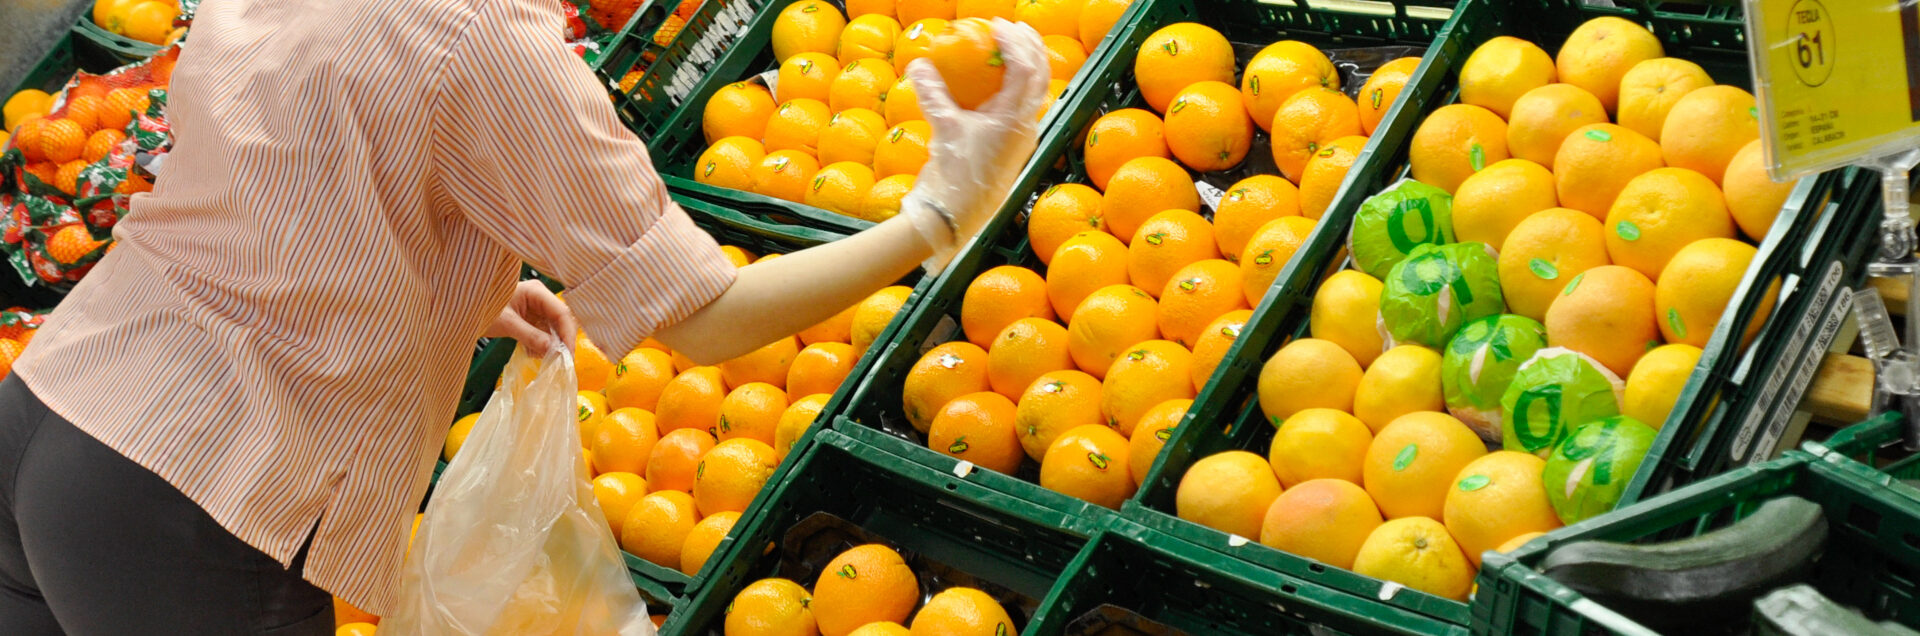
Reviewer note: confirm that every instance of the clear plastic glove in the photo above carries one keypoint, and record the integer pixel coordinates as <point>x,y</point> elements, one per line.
<point>975,155</point>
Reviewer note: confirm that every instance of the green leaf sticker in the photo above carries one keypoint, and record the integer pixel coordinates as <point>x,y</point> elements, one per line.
<point>1376,95</point>
<point>1326,152</point>
<point>893,138</point>
<point>780,164</point>
<point>585,412</point>
<point>1478,156</point>
<point>1172,47</point>
<point>1254,83</point>
<point>819,181</point>
<point>999,629</point>
<point>994,59</point>
<point>1754,112</point>
<point>1137,355</point>
<point>1097,459</point>
<point>709,170</point>
<point>914,33</point>
<point>1050,191</point>
<point>1237,194</point>
<point>620,369</point>
<point>1673,320</point>
<point>958,446</point>
<point>806,68</point>
<point>1407,454</point>
<point>1265,258</point>
<point>1163,434</point>
<point>1190,284</point>
<point>1475,482</point>
<point>725,426</point>
<point>1573,283</point>
<point>847,571</point>
<point>1093,139</point>
<point>1156,238</point>
<point>810,8</point>
<point>1627,230</point>
<point>1543,269</point>
<point>700,470</point>
<point>1179,105</point>
<point>1230,331</point>
<point>1599,135</point>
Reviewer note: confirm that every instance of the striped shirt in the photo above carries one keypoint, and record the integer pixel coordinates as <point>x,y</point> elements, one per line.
<point>283,328</point>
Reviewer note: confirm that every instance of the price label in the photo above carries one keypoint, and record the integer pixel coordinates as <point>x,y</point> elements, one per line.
<point>1838,80</point>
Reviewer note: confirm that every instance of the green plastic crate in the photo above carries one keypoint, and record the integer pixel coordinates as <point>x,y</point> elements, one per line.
<point>675,74</point>
<point>875,414</point>
<point>1872,550</point>
<point>842,492</point>
<point>125,48</point>
<point>1135,586</point>
<point>1862,449</point>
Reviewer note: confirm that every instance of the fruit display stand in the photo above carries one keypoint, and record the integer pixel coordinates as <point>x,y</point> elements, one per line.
<point>1865,563</point>
<point>127,49</point>
<point>680,72</point>
<point>842,492</point>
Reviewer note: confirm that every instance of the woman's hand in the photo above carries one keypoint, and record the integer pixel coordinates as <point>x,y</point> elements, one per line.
<point>531,316</point>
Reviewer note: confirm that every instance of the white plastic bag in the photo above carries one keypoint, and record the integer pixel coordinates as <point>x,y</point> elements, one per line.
<point>513,541</point>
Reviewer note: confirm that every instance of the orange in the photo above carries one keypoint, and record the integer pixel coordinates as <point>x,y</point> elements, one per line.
<point>865,584</point>
<point>807,26</point>
<point>999,296</point>
<point>1412,461</point>
<point>1382,88</point>
<point>1143,187</point>
<point>872,315</point>
<point>1598,55</point>
<point>1707,127</point>
<point>1025,350</point>
<point>1279,71</point>
<point>851,135</point>
<point>1061,212</point>
<point>1661,211</point>
<point>1454,142</point>
<point>796,125</point>
<point>1050,17</point>
<point>1178,55</point>
<point>945,372</point>
<point>676,458</point>
<point>1650,89</point>
<point>1319,443</point>
<point>978,427</point>
<point>624,441</point>
<point>1120,137</point>
<point>1097,18</point>
<point>589,364</point>
<point>868,37</point>
<point>1165,243</point>
<point>344,612</point>
<point>638,379</point>
<point>911,11</point>
<point>857,8</point>
<point>883,201</point>
<point>1326,170</point>
<point>1753,198</point>
<point>1657,380</point>
<point>740,109</point>
<point>1596,161</point>
<point>795,422</point>
<point>356,629</point>
<point>841,188</point>
<point>1089,261</point>
<point>616,492</point>
<point>27,102</point>
<point>785,174</point>
<point>1307,373</point>
<point>62,140</point>
<point>692,400</point>
<point>1229,492</point>
<point>1496,498</point>
<point>1501,70</point>
<point>728,477</point>
<point>1267,254</point>
<point>149,21</point>
<point>1089,463</point>
<point>67,179</point>
<point>988,9</point>
<point>1056,402</point>
<point>100,143</point>
<point>1419,554</point>
<point>1197,294</point>
<point>1151,435</point>
<point>807,76</point>
<point>1543,117</point>
<point>1697,286</point>
<point>882,628</point>
<point>969,61</point>
<point>1065,56</point>
<point>771,607</point>
<point>1326,520</point>
<point>26,137</point>
<point>862,83</point>
<point>1489,204</point>
<point>456,436</point>
<point>752,411</point>
<point>1308,120</point>
<point>767,364</point>
<point>903,103</point>
<point>903,150</point>
<point>1214,342</point>
<point>913,43</point>
<point>962,611</point>
<point>657,525</point>
<point>704,539</point>
<point>1248,205</point>
<point>85,110</point>
<point>838,328</point>
<point>1106,323</point>
<point>1207,126</point>
<point>820,368</point>
<point>1148,373</point>
<point>730,163</point>
<point>1607,313</point>
<point>1543,253</point>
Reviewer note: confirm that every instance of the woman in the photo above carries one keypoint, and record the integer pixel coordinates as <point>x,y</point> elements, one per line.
<point>236,413</point>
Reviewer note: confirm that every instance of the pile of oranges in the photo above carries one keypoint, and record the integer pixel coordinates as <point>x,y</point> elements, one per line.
<point>668,31</point>
<point>150,21</point>
<point>88,126</point>
<point>868,590</point>
<point>677,451</point>
<point>1152,294</point>
<point>842,129</point>
<point>17,326</point>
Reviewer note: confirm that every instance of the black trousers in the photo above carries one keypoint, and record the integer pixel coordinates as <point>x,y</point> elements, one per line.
<point>93,543</point>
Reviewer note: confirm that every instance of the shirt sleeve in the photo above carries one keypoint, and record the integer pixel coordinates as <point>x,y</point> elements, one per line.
<point>528,149</point>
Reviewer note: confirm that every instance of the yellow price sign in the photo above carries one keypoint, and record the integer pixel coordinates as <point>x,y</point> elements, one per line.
<point>1838,80</point>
